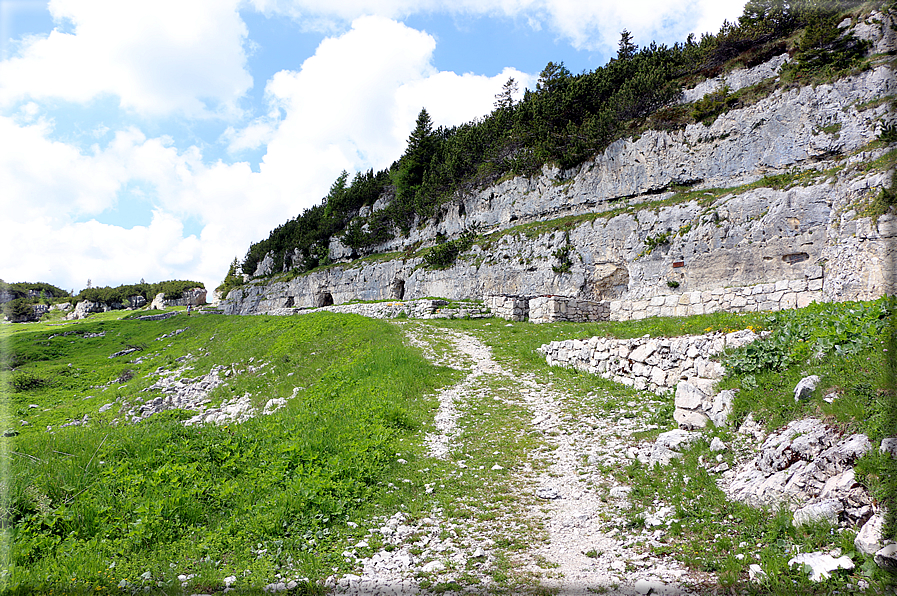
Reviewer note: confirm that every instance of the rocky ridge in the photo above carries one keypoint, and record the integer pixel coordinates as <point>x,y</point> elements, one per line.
<point>740,232</point>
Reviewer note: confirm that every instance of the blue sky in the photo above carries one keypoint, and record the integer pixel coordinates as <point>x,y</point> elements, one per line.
<point>158,140</point>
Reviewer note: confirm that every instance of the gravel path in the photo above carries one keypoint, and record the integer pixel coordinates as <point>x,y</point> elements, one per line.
<point>572,515</point>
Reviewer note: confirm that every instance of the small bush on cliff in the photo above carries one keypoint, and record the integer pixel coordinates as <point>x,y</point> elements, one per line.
<point>445,254</point>
<point>712,105</point>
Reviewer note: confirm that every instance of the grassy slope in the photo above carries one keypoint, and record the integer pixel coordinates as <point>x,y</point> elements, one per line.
<point>209,500</point>
<point>96,505</point>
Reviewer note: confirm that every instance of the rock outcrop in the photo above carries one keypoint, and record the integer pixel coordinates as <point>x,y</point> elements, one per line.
<point>762,209</point>
<point>808,467</point>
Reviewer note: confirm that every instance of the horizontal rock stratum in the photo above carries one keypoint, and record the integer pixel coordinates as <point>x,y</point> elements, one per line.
<point>771,199</point>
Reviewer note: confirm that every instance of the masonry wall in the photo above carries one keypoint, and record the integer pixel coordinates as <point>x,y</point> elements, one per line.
<point>658,364</point>
<point>550,309</point>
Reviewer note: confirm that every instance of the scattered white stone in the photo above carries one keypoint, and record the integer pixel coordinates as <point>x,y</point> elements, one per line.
<point>717,445</point>
<point>805,387</point>
<point>821,565</point>
<point>433,566</point>
<point>756,573</point>
<point>548,493</point>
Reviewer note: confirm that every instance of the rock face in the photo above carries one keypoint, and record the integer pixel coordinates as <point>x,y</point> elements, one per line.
<point>763,246</point>
<point>194,297</point>
<point>84,309</point>
<point>808,467</point>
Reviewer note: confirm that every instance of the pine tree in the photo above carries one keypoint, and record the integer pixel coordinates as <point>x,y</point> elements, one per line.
<point>505,99</point>
<point>421,149</point>
<point>627,48</point>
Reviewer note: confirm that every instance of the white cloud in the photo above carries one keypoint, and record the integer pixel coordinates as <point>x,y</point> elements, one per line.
<point>157,57</point>
<point>593,25</point>
<point>350,106</point>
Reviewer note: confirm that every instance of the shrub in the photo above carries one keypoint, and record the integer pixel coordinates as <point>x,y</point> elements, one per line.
<point>445,254</point>
<point>712,105</point>
<point>24,381</point>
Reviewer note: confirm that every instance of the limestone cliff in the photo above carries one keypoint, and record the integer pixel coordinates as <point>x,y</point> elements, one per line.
<point>780,191</point>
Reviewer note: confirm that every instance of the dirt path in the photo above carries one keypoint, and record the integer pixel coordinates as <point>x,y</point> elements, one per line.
<point>571,518</point>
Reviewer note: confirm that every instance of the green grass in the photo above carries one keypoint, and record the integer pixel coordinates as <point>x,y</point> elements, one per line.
<point>93,506</point>
<point>161,498</point>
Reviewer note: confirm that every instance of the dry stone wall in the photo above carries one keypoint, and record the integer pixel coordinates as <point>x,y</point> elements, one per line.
<point>550,309</point>
<point>659,364</point>
<point>510,308</point>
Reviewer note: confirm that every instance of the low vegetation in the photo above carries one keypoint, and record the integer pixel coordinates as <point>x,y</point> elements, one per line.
<point>115,506</point>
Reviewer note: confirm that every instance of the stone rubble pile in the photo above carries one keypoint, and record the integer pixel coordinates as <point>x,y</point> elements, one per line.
<point>193,394</point>
<point>808,467</point>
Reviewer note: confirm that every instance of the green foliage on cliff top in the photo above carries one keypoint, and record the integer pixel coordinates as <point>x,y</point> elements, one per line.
<point>173,289</point>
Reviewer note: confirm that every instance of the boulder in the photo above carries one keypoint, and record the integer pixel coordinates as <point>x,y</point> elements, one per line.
<point>826,511</point>
<point>886,558</point>
<point>805,388</point>
<point>869,538</point>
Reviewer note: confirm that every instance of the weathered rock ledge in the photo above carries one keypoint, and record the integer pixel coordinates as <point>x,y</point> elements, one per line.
<point>643,250</point>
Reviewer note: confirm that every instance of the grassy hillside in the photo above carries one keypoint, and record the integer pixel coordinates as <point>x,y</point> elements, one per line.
<point>111,506</point>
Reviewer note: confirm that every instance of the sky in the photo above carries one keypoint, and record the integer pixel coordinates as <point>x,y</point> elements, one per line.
<point>158,140</point>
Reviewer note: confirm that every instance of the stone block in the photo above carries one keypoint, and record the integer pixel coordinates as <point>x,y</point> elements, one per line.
<point>682,311</point>
<point>789,300</point>
<point>671,300</point>
<point>739,302</point>
<point>782,285</point>
<point>814,285</point>
<point>869,538</point>
<point>797,285</point>
<point>694,298</point>
<point>689,420</point>
<point>684,299</point>
<point>657,301</point>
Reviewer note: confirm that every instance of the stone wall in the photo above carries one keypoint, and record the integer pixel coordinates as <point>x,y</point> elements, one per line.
<point>413,309</point>
<point>780,295</point>
<point>550,309</point>
<point>658,364</point>
<point>509,308</point>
